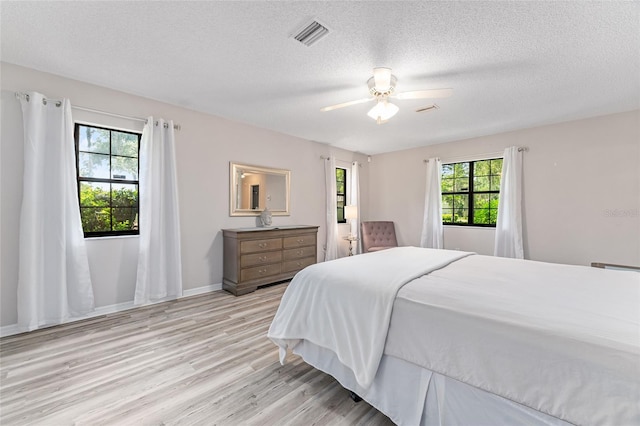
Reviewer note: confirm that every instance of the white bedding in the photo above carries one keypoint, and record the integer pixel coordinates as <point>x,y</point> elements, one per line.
<point>562,340</point>
<point>325,303</point>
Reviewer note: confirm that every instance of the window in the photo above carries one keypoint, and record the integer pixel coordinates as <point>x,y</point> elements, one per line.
<point>341,187</point>
<point>107,170</point>
<point>470,192</point>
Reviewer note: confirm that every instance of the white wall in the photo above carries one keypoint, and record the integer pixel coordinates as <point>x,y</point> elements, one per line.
<point>581,190</point>
<point>204,147</point>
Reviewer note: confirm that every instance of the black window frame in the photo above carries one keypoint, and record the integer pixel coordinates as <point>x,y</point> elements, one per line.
<point>470,194</point>
<point>110,181</point>
<point>340,194</point>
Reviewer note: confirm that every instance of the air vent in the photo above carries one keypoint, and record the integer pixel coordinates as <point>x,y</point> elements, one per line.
<point>311,33</point>
<point>428,108</point>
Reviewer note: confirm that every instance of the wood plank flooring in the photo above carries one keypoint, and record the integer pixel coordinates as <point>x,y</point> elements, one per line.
<point>201,360</point>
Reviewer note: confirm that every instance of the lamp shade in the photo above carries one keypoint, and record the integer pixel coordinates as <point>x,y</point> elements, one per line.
<point>350,212</point>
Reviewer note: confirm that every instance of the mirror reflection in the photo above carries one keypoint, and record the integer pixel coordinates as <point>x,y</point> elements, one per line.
<point>254,188</point>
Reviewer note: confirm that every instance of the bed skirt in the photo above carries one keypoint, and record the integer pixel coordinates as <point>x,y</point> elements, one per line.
<point>412,395</point>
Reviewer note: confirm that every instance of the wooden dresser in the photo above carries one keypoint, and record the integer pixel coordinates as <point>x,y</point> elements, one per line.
<point>259,256</point>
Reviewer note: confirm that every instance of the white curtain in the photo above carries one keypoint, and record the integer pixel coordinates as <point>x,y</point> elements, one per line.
<point>354,200</point>
<point>432,229</point>
<point>332,209</point>
<point>509,225</point>
<point>159,263</point>
<point>54,283</point>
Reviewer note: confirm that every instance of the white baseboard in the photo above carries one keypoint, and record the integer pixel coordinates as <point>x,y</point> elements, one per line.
<point>201,290</point>
<point>10,330</point>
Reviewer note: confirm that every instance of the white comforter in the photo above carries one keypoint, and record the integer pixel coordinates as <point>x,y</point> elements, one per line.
<point>325,302</point>
<point>564,340</point>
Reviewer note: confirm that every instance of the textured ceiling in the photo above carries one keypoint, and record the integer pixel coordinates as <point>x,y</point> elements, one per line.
<point>511,64</point>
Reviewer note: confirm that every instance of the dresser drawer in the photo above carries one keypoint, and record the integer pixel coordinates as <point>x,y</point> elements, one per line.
<point>252,246</point>
<point>260,258</point>
<point>248,274</point>
<point>300,241</point>
<point>298,253</point>
<point>296,265</point>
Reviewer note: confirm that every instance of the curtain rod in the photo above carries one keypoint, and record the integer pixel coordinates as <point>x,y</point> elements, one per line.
<point>58,103</point>
<point>480,156</point>
<point>322,157</point>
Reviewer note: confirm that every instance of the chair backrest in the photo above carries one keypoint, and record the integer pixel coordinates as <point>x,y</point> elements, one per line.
<point>377,235</point>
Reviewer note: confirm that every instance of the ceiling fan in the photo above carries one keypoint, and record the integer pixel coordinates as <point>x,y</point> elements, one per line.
<point>382,88</point>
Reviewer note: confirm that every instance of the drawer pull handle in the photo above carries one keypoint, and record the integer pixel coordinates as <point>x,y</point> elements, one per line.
<point>299,263</point>
<point>262,271</point>
<point>300,252</point>
<point>301,240</point>
<point>262,245</point>
<point>263,258</point>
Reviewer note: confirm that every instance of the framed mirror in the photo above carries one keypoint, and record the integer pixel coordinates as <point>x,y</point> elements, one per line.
<point>253,188</point>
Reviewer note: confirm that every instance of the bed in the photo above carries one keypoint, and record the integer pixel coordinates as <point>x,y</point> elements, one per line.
<point>440,337</point>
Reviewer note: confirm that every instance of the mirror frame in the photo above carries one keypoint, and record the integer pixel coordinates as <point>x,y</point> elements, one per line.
<point>233,185</point>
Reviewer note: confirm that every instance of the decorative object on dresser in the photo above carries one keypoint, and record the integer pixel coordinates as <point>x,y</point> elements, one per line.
<point>266,217</point>
<point>258,256</point>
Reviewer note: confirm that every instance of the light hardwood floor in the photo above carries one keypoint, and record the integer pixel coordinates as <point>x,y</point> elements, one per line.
<point>201,360</point>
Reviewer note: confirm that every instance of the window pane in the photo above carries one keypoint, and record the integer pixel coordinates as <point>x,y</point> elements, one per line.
<point>95,219</point>
<point>481,216</point>
<point>481,183</point>
<point>340,201</point>
<point>481,168</point>
<point>495,183</point>
<point>94,165</point>
<point>94,194</point>
<point>461,169</point>
<point>461,185</point>
<point>447,185</point>
<point>493,213</point>
<point>340,187</point>
<point>447,201</point>
<point>481,201</point>
<point>124,219</point>
<point>340,173</point>
<point>494,198</point>
<point>460,208</point>
<point>496,166</point>
<point>461,201</point>
<point>341,214</point>
<point>447,170</point>
<point>461,216</point>
<point>124,144</point>
<point>447,215</point>
<point>93,140</point>
<point>124,195</point>
<point>124,168</point>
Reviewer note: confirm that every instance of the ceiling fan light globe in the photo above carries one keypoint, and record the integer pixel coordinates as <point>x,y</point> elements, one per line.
<point>382,79</point>
<point>383,111</point>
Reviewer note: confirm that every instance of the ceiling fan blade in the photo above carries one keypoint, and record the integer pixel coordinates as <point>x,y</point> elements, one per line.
<point>424,94</point>
<point>346,104</point>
